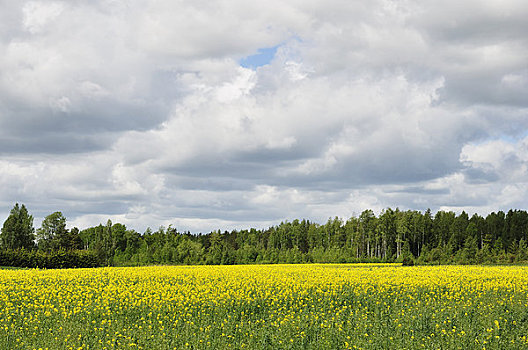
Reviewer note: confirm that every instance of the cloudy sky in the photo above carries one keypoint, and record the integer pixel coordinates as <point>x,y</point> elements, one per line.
<point>235,114</point>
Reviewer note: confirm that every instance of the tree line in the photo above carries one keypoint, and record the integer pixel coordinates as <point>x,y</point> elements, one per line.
<point>392,236</point>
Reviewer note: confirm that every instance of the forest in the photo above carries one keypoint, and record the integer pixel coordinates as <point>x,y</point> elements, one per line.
<point>407,236</point>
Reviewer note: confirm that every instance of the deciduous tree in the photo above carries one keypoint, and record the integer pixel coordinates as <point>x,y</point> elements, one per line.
<point>52,232</point>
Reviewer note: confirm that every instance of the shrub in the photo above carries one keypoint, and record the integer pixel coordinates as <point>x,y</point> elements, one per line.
<point>49,260</point>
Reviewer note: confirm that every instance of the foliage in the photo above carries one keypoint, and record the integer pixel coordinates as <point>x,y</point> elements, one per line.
<point>48,260</point>
<point>18,231</point>
<point>52,231</point>
<point>394,235</point>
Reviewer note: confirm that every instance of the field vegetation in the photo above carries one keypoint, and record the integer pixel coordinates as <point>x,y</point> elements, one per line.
<point>316,306</point>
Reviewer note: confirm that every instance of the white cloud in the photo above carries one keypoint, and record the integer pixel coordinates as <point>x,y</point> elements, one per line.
<point>38,14</point>
<point>509,160</point>
<point>140,111</point>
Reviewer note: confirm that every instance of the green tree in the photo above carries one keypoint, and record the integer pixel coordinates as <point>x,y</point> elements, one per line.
<point>368,223</point>
<point>469,252</point>
<point>403,229</point>
<point>52,233</point>
<point>406,255</point>
<point>18,230</point>
<point>215,249</point>
<point>74,239</point>
<point>388,231</point>
<point>458,232</point>
<point>523,250</point>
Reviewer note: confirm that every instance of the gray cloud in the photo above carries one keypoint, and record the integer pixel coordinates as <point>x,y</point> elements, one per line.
<point>141,113</point>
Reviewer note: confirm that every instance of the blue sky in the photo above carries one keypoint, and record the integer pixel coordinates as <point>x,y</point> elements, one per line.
<point>263,57</point>
<point>156,112</point>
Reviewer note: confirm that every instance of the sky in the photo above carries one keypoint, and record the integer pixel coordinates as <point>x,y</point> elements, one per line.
<point>233,114</point>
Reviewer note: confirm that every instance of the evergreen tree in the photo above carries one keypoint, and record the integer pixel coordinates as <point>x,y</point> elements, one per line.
<point>18,230</point>
<point>523,250</point>
<point>407,256</point>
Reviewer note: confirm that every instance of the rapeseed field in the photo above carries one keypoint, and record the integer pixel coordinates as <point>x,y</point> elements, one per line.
<point>372,306</point>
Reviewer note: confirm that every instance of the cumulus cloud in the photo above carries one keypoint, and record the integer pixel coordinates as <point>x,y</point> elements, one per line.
<point>141,112</point>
